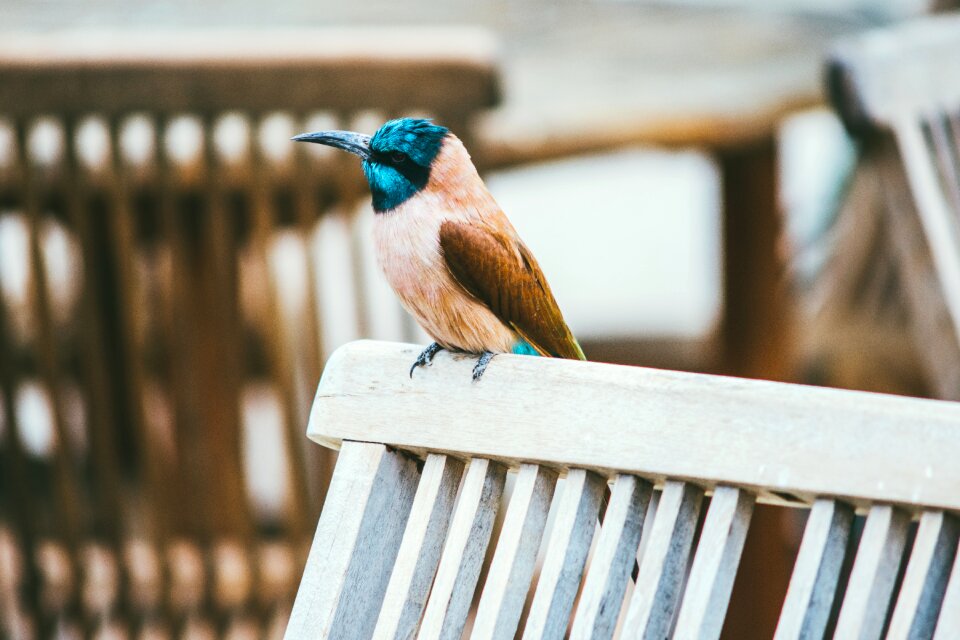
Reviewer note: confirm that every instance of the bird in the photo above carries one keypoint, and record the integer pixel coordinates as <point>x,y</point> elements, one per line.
<point>448,250</point>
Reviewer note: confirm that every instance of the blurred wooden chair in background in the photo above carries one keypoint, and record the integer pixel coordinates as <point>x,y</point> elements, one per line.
<point>898,244</point>
<point>396,555</point>
<point>174,272</point>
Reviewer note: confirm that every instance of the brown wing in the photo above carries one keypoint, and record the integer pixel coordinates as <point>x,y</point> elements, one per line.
<point>500,271</point>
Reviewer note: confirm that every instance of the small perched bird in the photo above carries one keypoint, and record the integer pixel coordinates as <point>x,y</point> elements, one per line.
<point>447,249</point>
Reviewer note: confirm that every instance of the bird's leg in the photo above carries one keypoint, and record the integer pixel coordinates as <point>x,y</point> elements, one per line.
<point>426,357</point>
<point>482,363</point>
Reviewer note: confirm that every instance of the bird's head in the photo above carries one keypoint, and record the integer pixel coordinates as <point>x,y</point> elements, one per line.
<point>397,159</point>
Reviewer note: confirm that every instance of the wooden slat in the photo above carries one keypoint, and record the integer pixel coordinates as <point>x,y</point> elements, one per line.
<point>456,580</point>
<point>948,624</point>
<point>420,549</point>
<point>664,561</point>
<point>613,559</point>
<point>939,226</point>
<point>874,574</point>
<point>563,565</point>
<point>511,570</point>
<point>813,585</point>
<point>921,594</point>
<point>715,564</point>
<point>294,69</point>
<point>356,544</point>
<point>531,409</point>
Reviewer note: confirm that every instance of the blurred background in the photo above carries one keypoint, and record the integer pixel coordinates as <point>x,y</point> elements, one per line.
<point>174,272</point>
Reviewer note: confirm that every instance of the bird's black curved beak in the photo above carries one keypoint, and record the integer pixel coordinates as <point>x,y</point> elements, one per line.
<point>355,143</point>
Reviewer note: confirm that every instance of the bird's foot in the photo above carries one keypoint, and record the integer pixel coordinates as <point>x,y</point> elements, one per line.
<point>482,363</point>
<point>425,357</point>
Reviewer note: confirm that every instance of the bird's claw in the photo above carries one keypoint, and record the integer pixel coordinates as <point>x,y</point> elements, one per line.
<point>425,357</point>
<point>481,365</point>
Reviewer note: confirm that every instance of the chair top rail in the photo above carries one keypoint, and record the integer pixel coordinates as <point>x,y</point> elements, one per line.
<point>782,440</point>
<point>881,76</point>
<point>79,71</point>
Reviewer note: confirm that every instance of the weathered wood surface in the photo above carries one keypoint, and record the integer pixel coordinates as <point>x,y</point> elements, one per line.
<point>463,553</point>
<point>813,585</point>
<point>356,544</point>
<point>420,549</point>
<point>613,559</point>
<point>187,70</point>
<point>708,429</point>
<point>921,594</point>
<point>508,580</point>
<point>663,565</point>
<point>715,564</point>
<point>563,566</point>
<point>874,574</point>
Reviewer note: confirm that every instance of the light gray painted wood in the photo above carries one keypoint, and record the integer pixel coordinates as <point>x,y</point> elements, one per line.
<point>534,409</point>
<point>921,594</point>
<point>355,545</point>
<point>511,570</point>
<point>463,553</point>
<point>813,585</point>
<point>948,624</point>
<point>663,564</point>
<point>420,549</point>
<point>874,573</point>
<point>613,560</point>
<point>715,564</point>
<point>569,544</point>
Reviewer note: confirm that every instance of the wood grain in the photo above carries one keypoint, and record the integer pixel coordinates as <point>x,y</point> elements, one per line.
<point>614,558</point>
<point>356,544</point>
<point>420,549</point>
<point>562,571</point>
<point>715,564</point>
<point>721,430</point>
<point>663,564</point>
<point>508,580</point>
<point>813,585</point>
<point>460,564</point>
<point>921,594</point>
<point>874,573</point>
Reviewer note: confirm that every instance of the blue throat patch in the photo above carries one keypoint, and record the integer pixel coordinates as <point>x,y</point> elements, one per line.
<point>403,151</point>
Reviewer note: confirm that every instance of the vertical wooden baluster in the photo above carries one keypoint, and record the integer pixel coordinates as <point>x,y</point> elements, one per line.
<point>18,505</point>
<point>464,551</point>
<point>281,368</point>
<point>874,573</point>
<point>159,491</point>
<point>925,580</point>
<point>66,514</point>
<point>420,549</point>
<point>813,585</point>
<point>513,561</point>
<point>224,363</point>
<point>944,152</point>
<point>100,423</point>
<point>613,560</point>
<point>563,565</point>
<point>664,562</point>
<point>707,594</point>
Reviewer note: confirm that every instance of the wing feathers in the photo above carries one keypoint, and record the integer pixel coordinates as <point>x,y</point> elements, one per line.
<point>499,270</point>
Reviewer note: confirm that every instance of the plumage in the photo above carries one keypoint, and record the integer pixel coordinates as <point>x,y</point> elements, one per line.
<point>448,250</point>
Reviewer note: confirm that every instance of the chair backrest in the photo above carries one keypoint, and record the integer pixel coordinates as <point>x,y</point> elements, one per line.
<point>174,272</point>
<point>898,90</point>
<point>398,554</point>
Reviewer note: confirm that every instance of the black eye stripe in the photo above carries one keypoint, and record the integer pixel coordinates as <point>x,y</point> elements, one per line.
<point>398,156</point>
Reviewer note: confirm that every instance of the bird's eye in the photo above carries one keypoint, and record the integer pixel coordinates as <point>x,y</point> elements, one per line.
<point>398,157</point>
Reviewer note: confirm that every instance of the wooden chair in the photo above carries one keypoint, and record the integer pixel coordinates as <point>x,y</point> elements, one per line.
<point>899,95</point>
<point>161,164</point>
<point>399,549</point>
